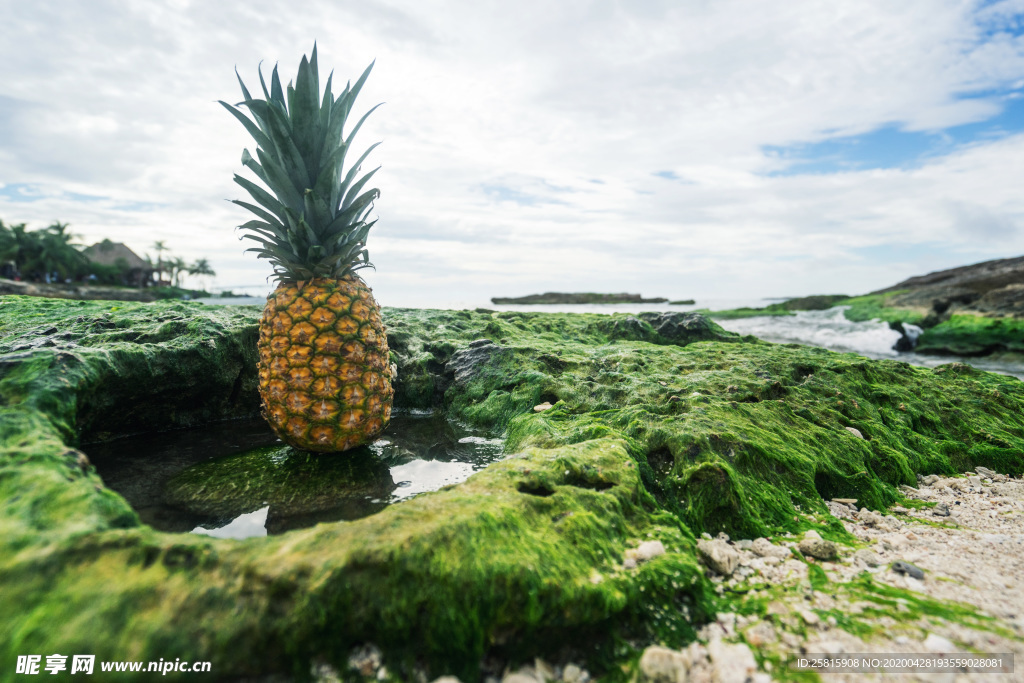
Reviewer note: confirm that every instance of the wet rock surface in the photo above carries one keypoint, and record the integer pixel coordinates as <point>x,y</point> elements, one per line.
<point>614,471</point>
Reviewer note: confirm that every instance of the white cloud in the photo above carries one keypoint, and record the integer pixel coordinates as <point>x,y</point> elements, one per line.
<point>490,104</point>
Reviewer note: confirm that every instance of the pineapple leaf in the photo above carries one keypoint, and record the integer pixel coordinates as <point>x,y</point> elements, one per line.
<point>343,189</point>
<point>277,95</point>
<point>354,191</point>
<point>279,182</point>
<point>262,197</point>
<point>254,131</point>
<point>251,164</point>
<point>268,217</point>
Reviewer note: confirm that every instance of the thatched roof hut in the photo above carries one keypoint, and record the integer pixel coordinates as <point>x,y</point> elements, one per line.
<point>107,253</point>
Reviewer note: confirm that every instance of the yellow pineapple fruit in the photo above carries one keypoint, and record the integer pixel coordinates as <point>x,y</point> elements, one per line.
<point>324,373</point>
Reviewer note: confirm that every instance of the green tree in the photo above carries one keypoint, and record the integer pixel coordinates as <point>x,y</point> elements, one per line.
<point>201,267</point>
<point>160,248</point>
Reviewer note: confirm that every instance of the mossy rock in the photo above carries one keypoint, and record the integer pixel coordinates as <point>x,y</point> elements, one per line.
<point>649,437</point>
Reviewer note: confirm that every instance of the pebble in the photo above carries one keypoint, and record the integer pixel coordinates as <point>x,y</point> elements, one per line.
<point>855,432</point>
<point>719,556</point>
<point>851,502</point>
<point>540,408</point>
<point>813,534</point>
<point>809,617</point>
<point>930,479</point>
<point>938,644</point>
<point>819,548</point>
<point>744,544</point>
<point>901,567</point>
<point>868,557</point>
<point>731,662</point>
<point>646,551</point>
<point>574,674</point>
<point>765,548</point>
<point>662,665</point>
<point>941,510</point>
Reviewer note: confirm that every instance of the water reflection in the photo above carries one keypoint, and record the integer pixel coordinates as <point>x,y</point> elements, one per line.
<point>236,480</point>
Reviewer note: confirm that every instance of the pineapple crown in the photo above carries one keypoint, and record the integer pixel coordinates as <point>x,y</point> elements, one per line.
<point>314,223</point>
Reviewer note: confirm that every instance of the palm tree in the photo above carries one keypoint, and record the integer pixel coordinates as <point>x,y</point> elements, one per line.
<point>201,267</point>
<point>176,267</point>
<point>160,247</point>
<point>57,253</point>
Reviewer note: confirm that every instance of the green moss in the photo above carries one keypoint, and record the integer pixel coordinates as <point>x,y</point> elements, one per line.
<point>971,335</point>
<point>662,427</point>
<point>876,307</point>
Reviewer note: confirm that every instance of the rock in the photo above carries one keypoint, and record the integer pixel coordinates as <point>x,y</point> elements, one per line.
<point>686,328</point>
<point>765,548</point>
<point>719,556</point>
<point>446,679</point>
<point>901,567</point>
<point>975,481</point>
<point>662,665</point>
<point>868,557</point>
<point>852,502</point>
<point>629,563</point>
<point>869,517</point>
<point>819,548</point>
<point>744,544</point>
<point>365,659</point>
<point>574,674</point>
<point>809,617</point>
<point>812,534</point>
<point>985,472</point>
<point>131,372</point>
<point>521,677</point>
<point>648,550</point>
<point>940,510</point>
<point>939,645</point>
<point>541,407</point>
<point>731,663</point>
<point>855,432</point>
<point>930,479</point>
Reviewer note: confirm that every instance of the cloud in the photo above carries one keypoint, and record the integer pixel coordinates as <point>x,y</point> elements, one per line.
<point>603,145</point>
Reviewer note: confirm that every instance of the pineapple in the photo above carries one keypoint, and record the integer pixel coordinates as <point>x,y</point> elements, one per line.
<point>324,371</point>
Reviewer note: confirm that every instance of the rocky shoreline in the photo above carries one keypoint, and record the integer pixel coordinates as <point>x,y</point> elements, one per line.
<point>975,310</point>
<point>583,548</point>
<point>578,298</point>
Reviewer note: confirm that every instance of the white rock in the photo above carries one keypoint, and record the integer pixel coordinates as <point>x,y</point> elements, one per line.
<point>542,407</point>
<point>447,679</point>
<point>520,677</point>
<point>809,617</point>
<point>662,665</point>
<point>938,644</point>
<point>731,663</point>
<point>812,534</point>
<point>868,557</point>
<point>574,674</point>
<point>719,556</point>
<point>855,432</point>
<point>648,550</point>
<point>765,548</point>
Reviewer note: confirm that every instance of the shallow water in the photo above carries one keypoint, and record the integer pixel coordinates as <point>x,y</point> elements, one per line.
<point>237,480</point>
<point>873,339</point>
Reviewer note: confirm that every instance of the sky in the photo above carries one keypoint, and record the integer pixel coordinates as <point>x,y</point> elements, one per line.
<point>684,148</point>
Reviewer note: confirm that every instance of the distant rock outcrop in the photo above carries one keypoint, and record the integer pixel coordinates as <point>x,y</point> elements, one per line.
<point>578,298</point>
<point>991,287</point>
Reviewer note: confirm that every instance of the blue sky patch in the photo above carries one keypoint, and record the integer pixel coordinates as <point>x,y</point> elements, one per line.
<point>891,147</point>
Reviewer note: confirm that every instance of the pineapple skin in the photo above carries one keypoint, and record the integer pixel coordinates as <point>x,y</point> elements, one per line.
<point>324,369</point>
